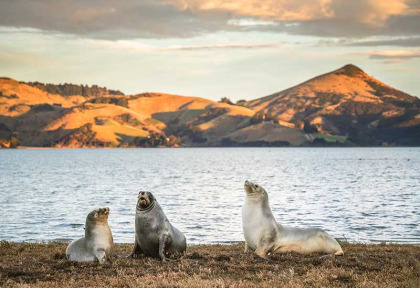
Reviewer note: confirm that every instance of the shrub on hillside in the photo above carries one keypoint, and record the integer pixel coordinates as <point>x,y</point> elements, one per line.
<point>14,142</point>
<point>122,101</point>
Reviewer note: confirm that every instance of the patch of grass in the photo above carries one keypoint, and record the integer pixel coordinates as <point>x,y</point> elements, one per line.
<point>45,265</point>
<point>330,138</point>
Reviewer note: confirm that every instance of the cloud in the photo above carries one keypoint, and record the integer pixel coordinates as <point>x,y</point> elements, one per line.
<point>402,42</point>
<point>106,19</point>
<point>278,10</point>
<point>393,56</point>
<point>221,46</point>
<point>128,19</point>
<point>374,13</point>
<point>137,46</point>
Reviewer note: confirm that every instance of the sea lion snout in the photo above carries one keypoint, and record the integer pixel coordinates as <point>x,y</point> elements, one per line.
<point>249,187</point>
<point>253,190</point>
<point>104,210</point>
<point>145,199</point>
<point>142,196</point>
<point>248,184</point>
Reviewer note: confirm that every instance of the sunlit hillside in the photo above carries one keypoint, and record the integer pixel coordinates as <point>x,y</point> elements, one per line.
<point>343,107</point>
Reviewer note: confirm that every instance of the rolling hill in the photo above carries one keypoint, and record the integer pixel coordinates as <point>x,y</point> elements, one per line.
<point>348,102</point>
<point>343,107</point>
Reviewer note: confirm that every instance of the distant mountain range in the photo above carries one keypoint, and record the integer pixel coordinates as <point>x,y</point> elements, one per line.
<point>345,107</point>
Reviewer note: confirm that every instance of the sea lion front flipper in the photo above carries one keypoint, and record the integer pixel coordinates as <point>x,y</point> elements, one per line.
<point>247,249</point>
<point>100,255</point>
<point>163,241</point>
<point>136,250</point>
<point>264,247</point>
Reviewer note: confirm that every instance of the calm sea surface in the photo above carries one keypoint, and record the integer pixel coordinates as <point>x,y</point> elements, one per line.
<point>358,194</point>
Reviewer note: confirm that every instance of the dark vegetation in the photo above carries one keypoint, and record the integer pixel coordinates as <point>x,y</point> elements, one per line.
<point>351,71</point>
<point>42,108</point>
<point>226,100</point>
<point>187,130</point>
<point>45,265</point>
<point>209,115</point>
<point>261,116</point>
<point>146,94</point>
<point>11,96</point>
<point>127,118</point>
<point>73,89</point>
<point>241,102</point>
<point>156,140</point>
<point>381,90</point>
<point>362,108</point>
<point>309,128</point>
<point>227,142</point>
<point>120,101</point>
<point>323,98</point>
<point>82,137</point>
<point>320,142</point>
<point>17,107</point>
<point>12,143</point>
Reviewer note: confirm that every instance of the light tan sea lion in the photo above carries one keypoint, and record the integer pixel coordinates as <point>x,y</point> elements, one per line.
<point>155,235</point>
<point>264,235</point>
<point>97,243</point>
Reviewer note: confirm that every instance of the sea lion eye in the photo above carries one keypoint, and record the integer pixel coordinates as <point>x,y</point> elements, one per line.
<point>256,186</point>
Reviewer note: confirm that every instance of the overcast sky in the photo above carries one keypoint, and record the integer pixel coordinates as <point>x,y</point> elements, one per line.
<point>241,49</point>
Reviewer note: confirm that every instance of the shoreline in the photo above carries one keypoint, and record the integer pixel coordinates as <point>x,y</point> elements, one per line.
<point>200,147</point>
<point>216,265</point>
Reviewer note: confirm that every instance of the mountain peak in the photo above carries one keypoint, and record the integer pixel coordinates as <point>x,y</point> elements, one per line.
<point>350,70</point>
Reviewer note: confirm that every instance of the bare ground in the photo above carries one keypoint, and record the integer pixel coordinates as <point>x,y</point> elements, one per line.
<point>45,265</point>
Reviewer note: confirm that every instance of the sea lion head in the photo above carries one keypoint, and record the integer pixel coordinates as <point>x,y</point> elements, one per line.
<point>98,215</point>
<point>145,201</point>
<point>255,191</point>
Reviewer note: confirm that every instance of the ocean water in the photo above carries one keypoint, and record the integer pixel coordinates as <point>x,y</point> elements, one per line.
<point>357,194</point>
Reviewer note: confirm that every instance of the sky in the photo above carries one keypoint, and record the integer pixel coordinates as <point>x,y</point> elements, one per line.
<point>241,49</point>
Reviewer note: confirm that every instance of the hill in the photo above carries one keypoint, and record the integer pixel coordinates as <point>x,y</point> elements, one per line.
<point>347,102</point>
<point>343,107</point>
<point>39,118</point>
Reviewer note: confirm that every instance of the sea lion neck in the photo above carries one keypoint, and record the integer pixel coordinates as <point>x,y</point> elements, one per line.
<point>148,208</point>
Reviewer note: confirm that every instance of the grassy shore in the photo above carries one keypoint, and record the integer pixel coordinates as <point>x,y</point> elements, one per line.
<point>45,265</point>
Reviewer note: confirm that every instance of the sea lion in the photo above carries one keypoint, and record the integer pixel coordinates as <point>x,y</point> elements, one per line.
<point>155,236</point>
<point>264,235</point>
<point>97,243</point>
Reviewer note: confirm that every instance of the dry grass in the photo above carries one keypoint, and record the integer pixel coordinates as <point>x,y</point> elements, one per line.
<point>45,265</point>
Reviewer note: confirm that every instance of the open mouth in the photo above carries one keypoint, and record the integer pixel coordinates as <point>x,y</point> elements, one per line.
<point>143,201</point>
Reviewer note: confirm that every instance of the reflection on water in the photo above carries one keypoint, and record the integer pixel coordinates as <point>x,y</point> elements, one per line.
<point>360,194</point>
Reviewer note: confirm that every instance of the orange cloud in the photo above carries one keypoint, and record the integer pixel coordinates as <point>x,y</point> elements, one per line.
<point>280,10</point>
<point>371,12</point>
<point>393,56</point>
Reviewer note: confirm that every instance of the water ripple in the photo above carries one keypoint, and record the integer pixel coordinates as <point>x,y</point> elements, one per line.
<point>358,194</point>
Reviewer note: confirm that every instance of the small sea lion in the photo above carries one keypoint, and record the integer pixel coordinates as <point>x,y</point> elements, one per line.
<point>155,236</point>
<point>264,235</point>
<point>97,243</point>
